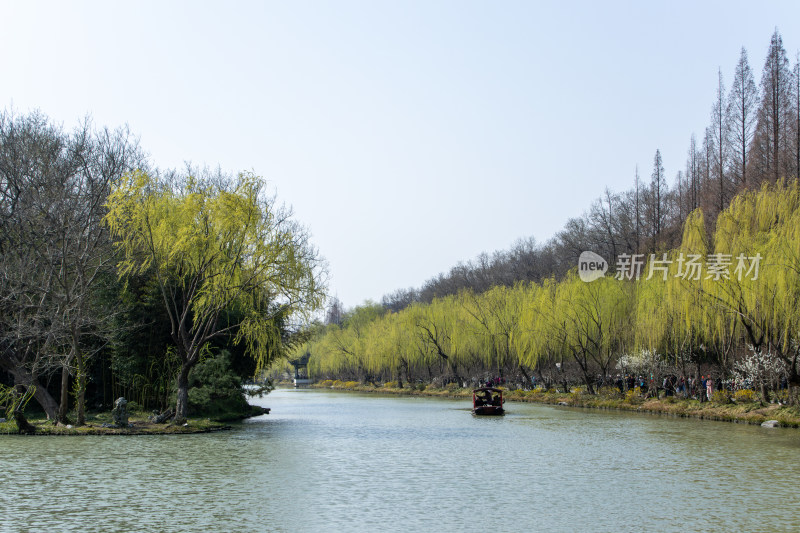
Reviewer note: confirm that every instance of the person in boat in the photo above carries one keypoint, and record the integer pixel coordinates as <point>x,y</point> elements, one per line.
<point>484,398</point>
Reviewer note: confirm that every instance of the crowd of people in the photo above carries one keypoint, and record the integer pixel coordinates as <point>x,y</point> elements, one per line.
<point>698,388</point>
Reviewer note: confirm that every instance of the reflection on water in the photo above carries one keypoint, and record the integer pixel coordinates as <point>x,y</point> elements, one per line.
<point>326,461</point>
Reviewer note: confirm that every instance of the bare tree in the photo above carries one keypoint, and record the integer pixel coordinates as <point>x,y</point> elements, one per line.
<point>770,157</point>
<point>742,109</point>
<point>55,247</point>
<point>693,174</point>
<point>638,211</point>
<point>719,132</point>
<point>335,312</point>
<point>795,119</point>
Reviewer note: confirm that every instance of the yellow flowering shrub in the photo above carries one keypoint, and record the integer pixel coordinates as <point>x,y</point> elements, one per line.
<point>745,396</point>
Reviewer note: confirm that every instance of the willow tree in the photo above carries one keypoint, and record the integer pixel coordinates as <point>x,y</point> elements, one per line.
<point>543,332</point>
<point>760,233</point>
<point>216,245</point>
<point>438,326</point>
<point>674,318</point>
<point>345,348</point>
<point>398,344</point>
<point>496,316</point>
<point>597,317</point>
<point>325,358</point>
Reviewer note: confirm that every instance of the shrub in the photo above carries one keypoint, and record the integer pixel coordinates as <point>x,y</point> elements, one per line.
<point>452,386</point>
<point>745,396</point>
<point>216,390</point>
<point>633,395</point>
<point>326,383</point>
<point>578,392</point>
<point>390,384</point>
<point>351,384</point>
<point>781,396</point>
<point>612,392</point>
<point>721,397</point>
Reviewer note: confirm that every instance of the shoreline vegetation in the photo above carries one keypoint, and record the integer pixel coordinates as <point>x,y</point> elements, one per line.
<point>100,423</point>
<point>742,412</point>
<point>138,426</point>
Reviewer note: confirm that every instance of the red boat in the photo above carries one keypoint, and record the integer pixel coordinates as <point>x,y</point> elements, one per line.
<point>487,401</point>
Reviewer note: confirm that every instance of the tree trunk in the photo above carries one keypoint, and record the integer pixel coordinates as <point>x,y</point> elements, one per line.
<point>792,381</point>
<point>587,379</point>
<point>81,399</point>
<point>584,366</point>
<point>764,392</point>
<point>544,383</point>
<point>46,400</point>
<point>64,400</point>
<point>42,396</point>
<point>525,374</point>
<point>182,404</point>
<point>699,384</point>
<point>454,370</point>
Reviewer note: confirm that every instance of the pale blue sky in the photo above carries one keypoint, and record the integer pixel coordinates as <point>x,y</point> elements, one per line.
<point>407,135</point>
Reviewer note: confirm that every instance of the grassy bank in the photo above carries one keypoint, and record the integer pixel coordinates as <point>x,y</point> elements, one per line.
<point>139,426</point>
<point>722,409</point>
<point>206,422</point>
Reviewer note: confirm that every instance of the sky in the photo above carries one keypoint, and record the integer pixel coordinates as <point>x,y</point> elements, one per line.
<point>406,135</point>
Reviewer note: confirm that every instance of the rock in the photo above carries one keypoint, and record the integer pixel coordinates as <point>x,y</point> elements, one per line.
<point>157,418</point>
<point>119,414</point>
<point>23,426</point>
<point>2,420</point>
<point>771,424</point>
<point>563,403</point>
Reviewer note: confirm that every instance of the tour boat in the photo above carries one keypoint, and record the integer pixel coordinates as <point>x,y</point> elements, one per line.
<point>487,401</point>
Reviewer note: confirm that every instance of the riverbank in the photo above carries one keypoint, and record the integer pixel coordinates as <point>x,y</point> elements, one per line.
<point>100,423</point>
<point>138,426</point>
<point>724,410</point>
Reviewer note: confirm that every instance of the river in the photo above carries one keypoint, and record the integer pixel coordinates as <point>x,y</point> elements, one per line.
<point>334,461</point>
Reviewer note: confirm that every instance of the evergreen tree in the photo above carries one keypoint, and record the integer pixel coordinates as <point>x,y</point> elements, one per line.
<point>658,191</point>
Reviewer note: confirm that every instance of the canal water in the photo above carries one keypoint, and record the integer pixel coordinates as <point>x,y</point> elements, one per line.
<point>333,461</point>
